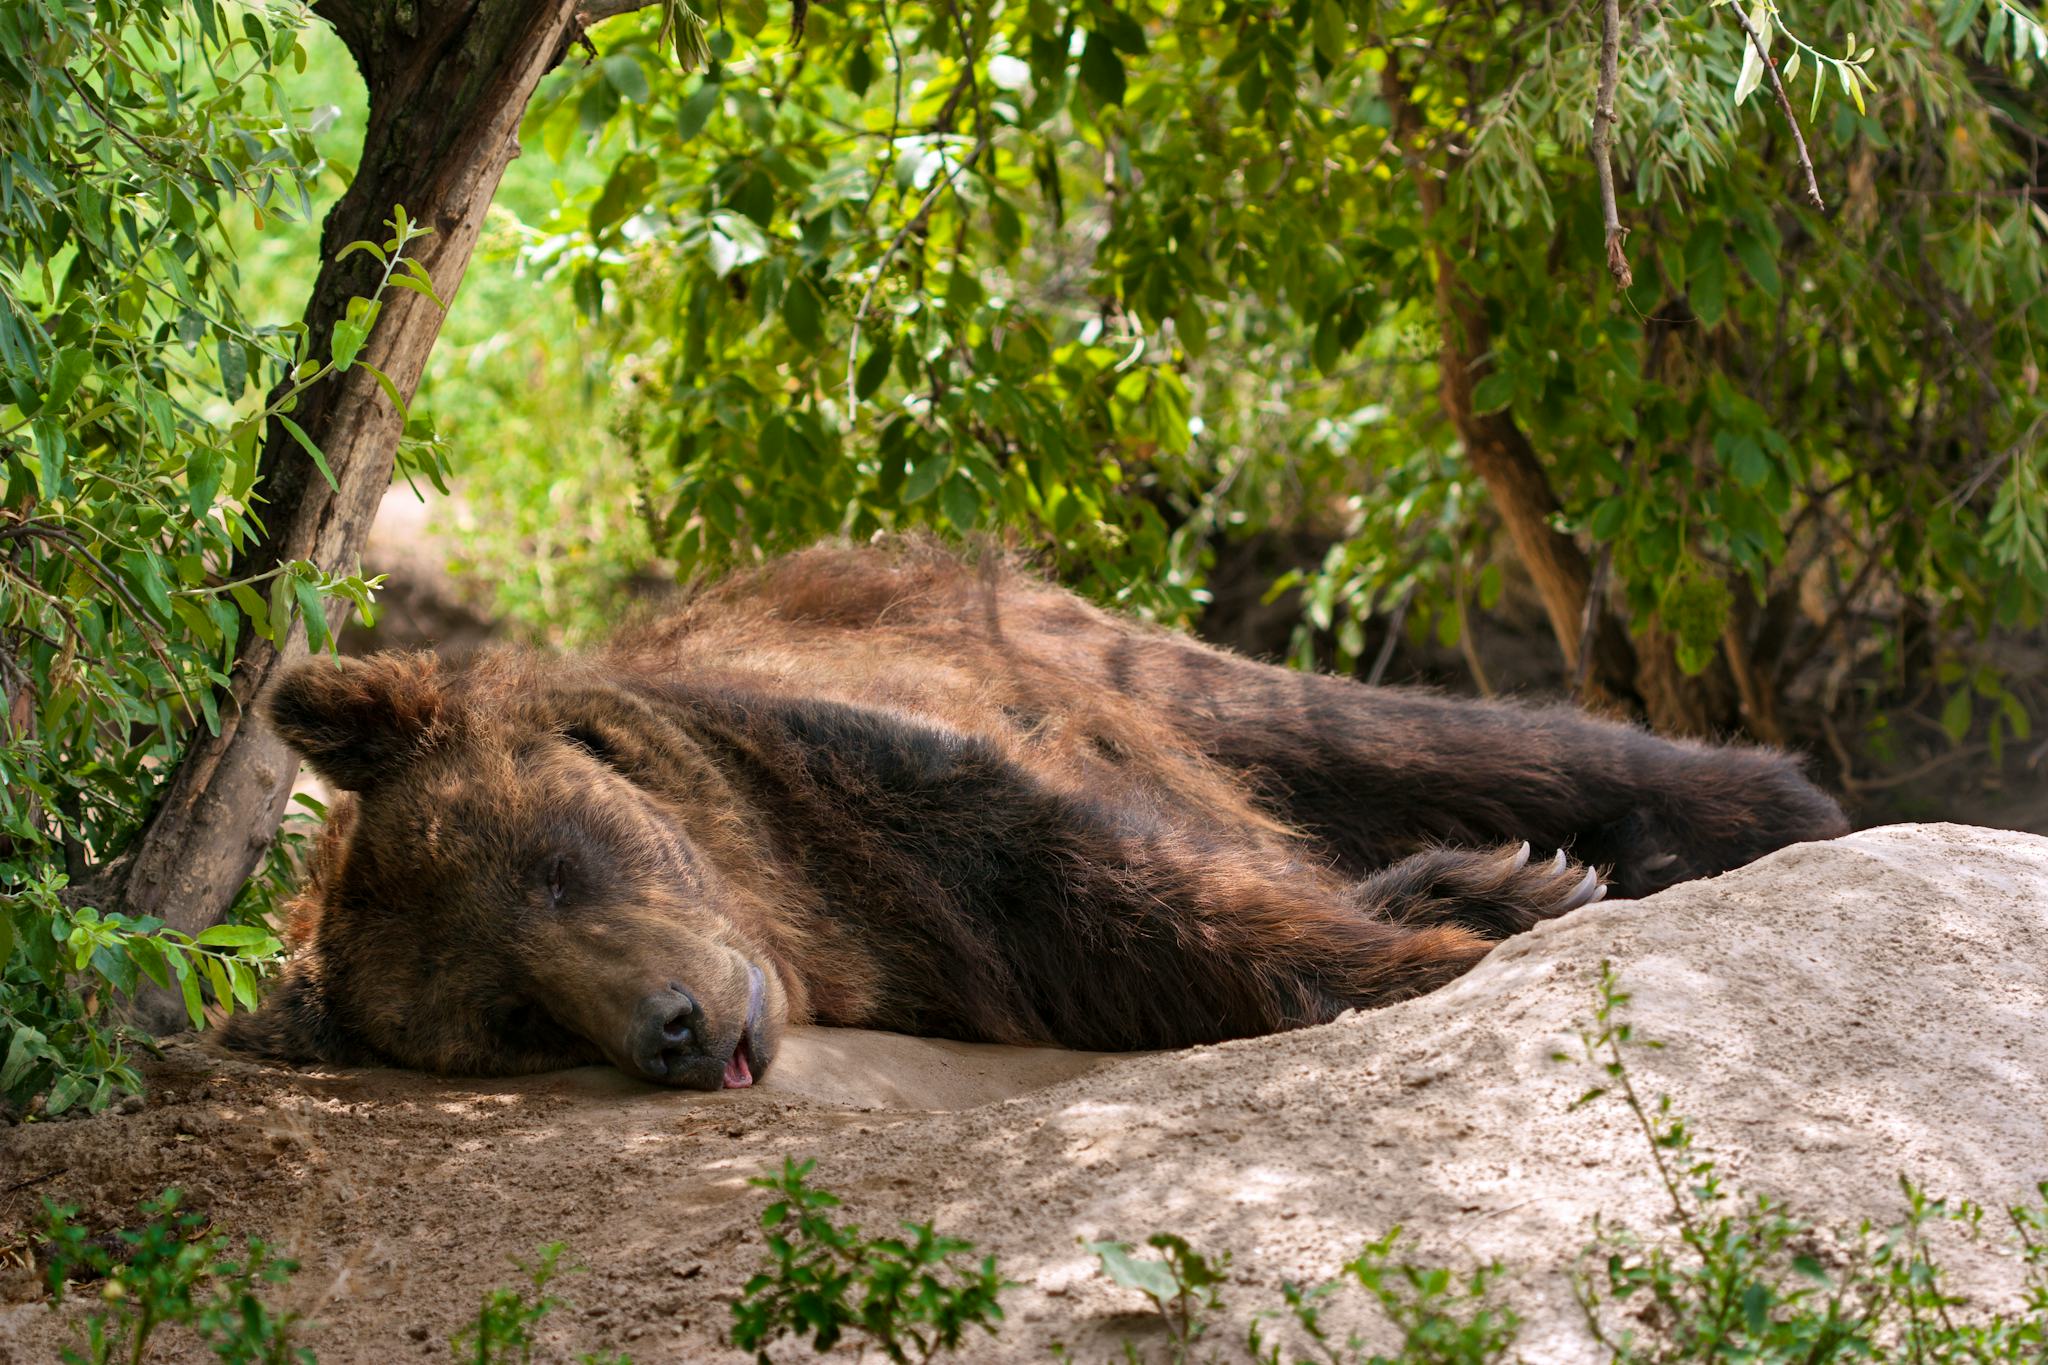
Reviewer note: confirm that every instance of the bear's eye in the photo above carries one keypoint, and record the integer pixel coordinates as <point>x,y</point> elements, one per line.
<point>558,878</point>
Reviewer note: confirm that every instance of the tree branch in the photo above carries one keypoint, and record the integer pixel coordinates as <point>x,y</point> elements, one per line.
<point>1785,103</point>
<point>597,11</point>
<point>1603,140</point>
<point>916,224</point>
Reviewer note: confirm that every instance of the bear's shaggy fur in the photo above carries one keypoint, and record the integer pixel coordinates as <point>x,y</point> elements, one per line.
<point>883,787</point>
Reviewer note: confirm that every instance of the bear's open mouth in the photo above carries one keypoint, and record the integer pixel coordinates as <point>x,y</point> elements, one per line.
<point>739,1068</point>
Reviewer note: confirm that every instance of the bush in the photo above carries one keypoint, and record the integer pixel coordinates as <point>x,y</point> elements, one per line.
<point>134,393</point>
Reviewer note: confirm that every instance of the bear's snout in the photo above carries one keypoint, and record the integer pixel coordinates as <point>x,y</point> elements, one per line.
<point>667,1040</point>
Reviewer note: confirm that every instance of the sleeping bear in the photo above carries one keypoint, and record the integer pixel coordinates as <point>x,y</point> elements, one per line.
<point>883,787</point>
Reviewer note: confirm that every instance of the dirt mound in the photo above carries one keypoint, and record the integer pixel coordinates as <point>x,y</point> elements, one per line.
<point>1835,1016</point>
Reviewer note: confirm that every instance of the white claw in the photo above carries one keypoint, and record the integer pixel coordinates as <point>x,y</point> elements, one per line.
<point>1599,894</point>
<point>1522,856</point>
<point>1587,891</point>
<point>1557,863</point>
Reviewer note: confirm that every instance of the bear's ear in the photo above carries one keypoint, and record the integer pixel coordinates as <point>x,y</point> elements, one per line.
<point>357,721</point>
<point>294,1023</point>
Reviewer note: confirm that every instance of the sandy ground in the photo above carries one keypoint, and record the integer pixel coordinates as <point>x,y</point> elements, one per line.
<point>1835,1016</point>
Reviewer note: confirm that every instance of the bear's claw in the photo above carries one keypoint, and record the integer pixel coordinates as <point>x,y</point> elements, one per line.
<point>1494,892</point>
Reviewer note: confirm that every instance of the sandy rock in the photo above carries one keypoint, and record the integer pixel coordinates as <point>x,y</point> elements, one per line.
<point>1834,1016</point>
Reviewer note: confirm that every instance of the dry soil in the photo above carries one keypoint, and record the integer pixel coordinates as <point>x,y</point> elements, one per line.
<point>1834,1017</point>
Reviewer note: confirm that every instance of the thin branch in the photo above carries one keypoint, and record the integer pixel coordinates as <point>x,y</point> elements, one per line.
<point>1596,586</point>
<point>1394,623</point>
<point>1603,140</point>
<point>916,224</point>
<point>597,11</point>
<point>1785,103</point>
<point>1859,785</point>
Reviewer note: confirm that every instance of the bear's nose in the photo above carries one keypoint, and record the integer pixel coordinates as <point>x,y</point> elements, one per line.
<point>668,1031</point>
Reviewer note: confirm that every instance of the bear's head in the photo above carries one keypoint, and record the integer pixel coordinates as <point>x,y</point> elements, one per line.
<point>532,867</point>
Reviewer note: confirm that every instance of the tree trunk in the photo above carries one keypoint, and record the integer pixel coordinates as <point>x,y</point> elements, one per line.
<point>448,81</point>
<point>1503,458</point>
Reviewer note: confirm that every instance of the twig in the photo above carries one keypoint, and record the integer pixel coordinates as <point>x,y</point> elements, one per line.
<point>1387,646</point>
<point>1784,103</point>
<point>1860,785</point>
<point>35,1180</point>
<point>597,11</point>
<point>917,222</point>
<point>1603,142</point>
<point>1466,645</point>
<point>1589,618</point>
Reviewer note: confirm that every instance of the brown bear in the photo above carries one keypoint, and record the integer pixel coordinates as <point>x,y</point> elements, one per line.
<point>880,786</point>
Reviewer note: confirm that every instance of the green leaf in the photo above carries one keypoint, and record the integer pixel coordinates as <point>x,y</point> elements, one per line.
<point>696,109</point>
<point>1709,289</point>
<point>1102,70</point>
<point>624,75</point>
<point>148,957</point>
<point>1493,393</point>
<point>347,343</point>
<point>204,467</point>
<point>66,373</point>
<point>1149,1277</point>
<point>242,983</point>
<point>960,502</point>
<point>1608,518</point>
<point>874,369</point>
<point>306,442</point>
<point>188,986</point>
<point>1752,73</point>
<point>802,313</point>
<point>1332,31</point>
<point>625,191</point>
<point>232,936</point>
<point>52,451</point>
<point>1957,714</point>
<point>1756,259</point>
<point>23,1049</point>
<point>254,607</point>
<point>390,390</point>
<point>65,1093</point>
<point>925,477</point>
<point>313,611</point>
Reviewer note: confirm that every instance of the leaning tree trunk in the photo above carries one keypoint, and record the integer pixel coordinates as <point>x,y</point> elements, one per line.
<point>1502,456</point>
<point>448,83</point>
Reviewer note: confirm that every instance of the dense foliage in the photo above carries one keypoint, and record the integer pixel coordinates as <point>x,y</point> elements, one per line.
<point>132,398</point>
<point>1130,279</point>
<point>1150,287</point>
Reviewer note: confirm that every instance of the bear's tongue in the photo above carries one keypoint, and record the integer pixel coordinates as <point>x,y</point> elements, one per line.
<point>738,1071</point>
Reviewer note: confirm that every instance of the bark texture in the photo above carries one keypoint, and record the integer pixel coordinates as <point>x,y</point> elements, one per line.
<point>448,83</point>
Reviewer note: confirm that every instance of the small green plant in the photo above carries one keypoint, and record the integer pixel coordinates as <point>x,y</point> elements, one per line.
<point>1748,1281</point>
<point>904,1297</point>
<point>1441,1318</point>
<point>1183,1285</point>
<point>172,1271</point>
<point>503,1330</point>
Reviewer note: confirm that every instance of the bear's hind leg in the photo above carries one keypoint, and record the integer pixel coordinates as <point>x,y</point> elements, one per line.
<point>1492,892</point>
